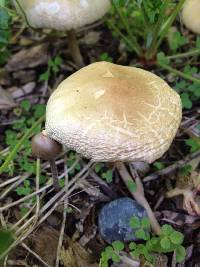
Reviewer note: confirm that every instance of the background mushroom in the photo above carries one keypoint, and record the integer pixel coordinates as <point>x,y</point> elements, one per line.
<point>112,113</point>
<point>190,15</point>
<point>64,15</point>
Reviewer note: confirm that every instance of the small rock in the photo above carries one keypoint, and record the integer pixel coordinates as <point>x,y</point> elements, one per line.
<point>114,219</point>
<point>26,89</point>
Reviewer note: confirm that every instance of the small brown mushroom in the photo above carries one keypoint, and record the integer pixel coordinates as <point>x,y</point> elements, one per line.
<point>64,15</point>
<point>112,113</point>
<point>46,148</point>
<point>190,15</point>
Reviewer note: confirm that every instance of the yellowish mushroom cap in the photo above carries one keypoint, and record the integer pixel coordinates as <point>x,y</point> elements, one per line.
<point>63,14</point>
<point>191,15</point>
<point>108,112</point>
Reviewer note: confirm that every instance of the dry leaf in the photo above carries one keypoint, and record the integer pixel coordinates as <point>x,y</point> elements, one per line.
<point>45,242</point>
<point>28,58</point>
<point>6,100</point>
<point>76,256</point>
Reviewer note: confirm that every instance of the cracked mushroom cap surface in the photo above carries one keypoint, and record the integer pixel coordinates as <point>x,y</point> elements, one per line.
<point>63,14</point>
<point>191,15</point>
<point>108,112</point>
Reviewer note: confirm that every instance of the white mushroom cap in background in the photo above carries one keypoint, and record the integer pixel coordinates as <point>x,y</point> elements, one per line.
<point>108,112</point>
<point>63,14</point>
<point>191,15</point>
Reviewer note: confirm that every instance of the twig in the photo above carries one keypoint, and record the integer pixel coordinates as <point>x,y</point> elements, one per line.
<point>12,180</point>
<point>172,167</point>
<point>14,226</point>
<point>64,220</point>
<point>25,198</point>
<point>37,187</point>
<point>35,255</point>
<point>12,186</point>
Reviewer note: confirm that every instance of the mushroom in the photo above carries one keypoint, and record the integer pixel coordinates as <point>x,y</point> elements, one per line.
<point>62,15</point>
<point>190,15</point>
<point>113,113</point>
<point>48,149</point>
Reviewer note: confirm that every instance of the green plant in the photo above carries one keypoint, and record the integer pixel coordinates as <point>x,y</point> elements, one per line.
<point>143,25</point>
<point>105,57</point>
<point>108,176</point>
<point>111,253</point>
<point>25,189</point>
<point>28,122</point>
<point>188,87</point>
<point>193,143</point>
<point>53,68</point>
<point>6,239</point>
<point>176,41</point>
<point>168,241</point>
<point>6,15</point>
<point>105,174</point>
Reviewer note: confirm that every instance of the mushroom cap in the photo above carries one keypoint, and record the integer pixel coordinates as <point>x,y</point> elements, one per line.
<point>191,15</point>
<point>108,112</point>
<point>63,14</point>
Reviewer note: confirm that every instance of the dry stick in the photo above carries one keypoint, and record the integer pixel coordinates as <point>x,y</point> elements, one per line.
<point>12,186</point>
<point>139,196</point>
<point>64,220</point>
<point>62,199</point>
<point>25,198</point>
<point>29,231</point>
<point>37,187</point>
<point>14,226</point>
<point>68,170</point>
<point>54,199</point>
<point>20,239</point>
<point>172,167</point>
<point>74,48</point>
<point>12,180</point>
<point>19,179</point>
<point>35,255</point>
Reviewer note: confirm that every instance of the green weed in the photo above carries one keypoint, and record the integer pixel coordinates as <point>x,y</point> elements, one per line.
<point>168,241</point>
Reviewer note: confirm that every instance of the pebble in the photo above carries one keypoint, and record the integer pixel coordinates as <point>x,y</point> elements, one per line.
<point>114,219</point>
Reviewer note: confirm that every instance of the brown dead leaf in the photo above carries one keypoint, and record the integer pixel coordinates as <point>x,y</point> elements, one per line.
<point>6,100</point>
<point>76,256</point>
<point>28,58</point>
<point>45,242</point>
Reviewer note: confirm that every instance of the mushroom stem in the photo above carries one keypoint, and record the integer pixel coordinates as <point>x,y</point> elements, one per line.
<point>139,195</point>
<point>74,48</point>
<point>54,172</point>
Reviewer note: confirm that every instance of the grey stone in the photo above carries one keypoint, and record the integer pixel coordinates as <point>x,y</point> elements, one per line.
<point>114,219</point>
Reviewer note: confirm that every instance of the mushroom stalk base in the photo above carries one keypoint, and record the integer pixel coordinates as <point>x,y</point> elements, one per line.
<point>74,48</point>
<point>54,174</point>
<point>139,195</point>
